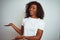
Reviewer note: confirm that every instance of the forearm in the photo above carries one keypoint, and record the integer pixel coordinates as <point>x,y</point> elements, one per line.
<point>27,37</point>
<point>16,29</point>
<point>32,37</point>
<point>18,37</point>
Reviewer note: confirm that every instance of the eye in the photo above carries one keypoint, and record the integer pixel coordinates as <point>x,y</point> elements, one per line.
<point>33,8</point>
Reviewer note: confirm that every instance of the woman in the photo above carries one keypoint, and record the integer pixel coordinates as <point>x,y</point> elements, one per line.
<point>33,25</point>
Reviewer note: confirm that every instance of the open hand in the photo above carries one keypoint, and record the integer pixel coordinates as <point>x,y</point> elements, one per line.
<point>10,24</point>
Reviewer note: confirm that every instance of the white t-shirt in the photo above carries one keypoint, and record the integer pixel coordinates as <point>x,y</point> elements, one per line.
<point>31,25</point>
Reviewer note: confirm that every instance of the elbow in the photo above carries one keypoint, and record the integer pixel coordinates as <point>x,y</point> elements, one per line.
<point>21,33</point>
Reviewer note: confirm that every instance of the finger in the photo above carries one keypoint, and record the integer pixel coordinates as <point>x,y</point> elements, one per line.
<point>6,25</point>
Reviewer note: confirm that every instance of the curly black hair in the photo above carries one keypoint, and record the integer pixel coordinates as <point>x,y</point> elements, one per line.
<point>40,12</point>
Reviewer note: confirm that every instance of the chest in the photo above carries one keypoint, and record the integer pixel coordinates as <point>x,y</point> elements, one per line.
<point>32,25</point>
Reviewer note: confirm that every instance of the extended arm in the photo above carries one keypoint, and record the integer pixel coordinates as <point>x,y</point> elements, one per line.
<point>20,31</point>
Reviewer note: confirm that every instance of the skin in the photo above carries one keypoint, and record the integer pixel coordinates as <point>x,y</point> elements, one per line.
<point>33,10</point>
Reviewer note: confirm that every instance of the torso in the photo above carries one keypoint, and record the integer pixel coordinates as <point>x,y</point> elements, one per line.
<point>31,25</point>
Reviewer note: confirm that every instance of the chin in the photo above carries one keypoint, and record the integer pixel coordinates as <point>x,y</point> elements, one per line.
<point>31,13</point>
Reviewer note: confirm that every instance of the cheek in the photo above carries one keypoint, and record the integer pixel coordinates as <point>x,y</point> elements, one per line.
<point>32,12</point>
<point>35,10</point>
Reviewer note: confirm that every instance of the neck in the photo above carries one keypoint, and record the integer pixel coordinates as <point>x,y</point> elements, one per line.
<point>34,16</point>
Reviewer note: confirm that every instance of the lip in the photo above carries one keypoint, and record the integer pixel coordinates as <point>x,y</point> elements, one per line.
<point>32,11</point>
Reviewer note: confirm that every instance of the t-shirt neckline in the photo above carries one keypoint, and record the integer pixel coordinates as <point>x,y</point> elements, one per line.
<point>34,18</point>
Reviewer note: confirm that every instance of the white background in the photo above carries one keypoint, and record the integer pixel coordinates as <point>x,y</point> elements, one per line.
<point>14,10</point>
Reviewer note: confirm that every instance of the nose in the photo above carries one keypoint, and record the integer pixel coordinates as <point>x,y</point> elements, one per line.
<point>31,9</point>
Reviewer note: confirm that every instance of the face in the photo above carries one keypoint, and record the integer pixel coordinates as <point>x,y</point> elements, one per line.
<point>33,10</point>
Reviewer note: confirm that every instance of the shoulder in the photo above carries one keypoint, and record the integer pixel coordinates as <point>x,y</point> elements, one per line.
<point>25,19</point>
<point>42,24</point>
<point>41,21</point>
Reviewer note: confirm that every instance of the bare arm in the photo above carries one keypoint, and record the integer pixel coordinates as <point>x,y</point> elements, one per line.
<point>37,37</point>
<point>20,31</point>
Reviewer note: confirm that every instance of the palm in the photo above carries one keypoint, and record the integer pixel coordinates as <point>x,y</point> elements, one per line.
<point>10,24</point>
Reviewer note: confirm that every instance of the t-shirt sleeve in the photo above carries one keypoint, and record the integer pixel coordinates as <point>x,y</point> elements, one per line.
<point>42,25</point>
<point>22,22</point>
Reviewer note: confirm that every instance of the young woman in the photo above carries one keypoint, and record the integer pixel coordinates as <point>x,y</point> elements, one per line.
<point>33,25</point>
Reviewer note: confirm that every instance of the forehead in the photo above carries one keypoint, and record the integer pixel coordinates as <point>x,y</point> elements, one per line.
<point>33,5</point>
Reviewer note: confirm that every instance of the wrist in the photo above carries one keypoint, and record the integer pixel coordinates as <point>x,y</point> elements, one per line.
<point>12,25</point>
